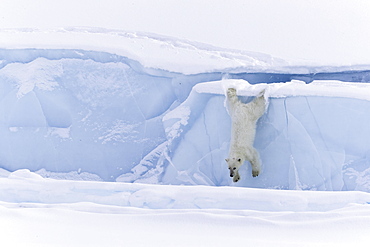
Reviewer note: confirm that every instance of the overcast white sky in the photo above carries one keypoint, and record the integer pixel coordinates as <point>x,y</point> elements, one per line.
<point>330,31</point>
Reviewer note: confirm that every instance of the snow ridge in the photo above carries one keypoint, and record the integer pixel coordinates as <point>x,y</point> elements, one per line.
<point>158,52</point>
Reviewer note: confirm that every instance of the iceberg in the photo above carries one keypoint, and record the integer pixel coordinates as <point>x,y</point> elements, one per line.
<point>122,114</point>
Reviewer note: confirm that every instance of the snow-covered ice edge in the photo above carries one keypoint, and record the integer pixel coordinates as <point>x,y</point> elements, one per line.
<point>161,52</point>
<point>323,88</point>
<point>152,51</point>
<point>22,185</point>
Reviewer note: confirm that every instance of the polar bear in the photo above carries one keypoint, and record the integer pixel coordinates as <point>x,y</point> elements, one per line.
<point>243,130</point>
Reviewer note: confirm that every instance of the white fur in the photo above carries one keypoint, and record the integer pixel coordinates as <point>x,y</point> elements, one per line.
<point>243,130</point>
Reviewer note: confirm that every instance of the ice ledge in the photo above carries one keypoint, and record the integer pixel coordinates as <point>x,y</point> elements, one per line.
<point>323,88</point>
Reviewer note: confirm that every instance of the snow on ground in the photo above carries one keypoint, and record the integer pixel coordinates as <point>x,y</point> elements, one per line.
<point>36,211</point>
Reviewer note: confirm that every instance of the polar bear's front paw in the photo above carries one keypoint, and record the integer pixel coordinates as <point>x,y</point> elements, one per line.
<point>236,178</point>
<point>261,94</point>
<point>255,173</point>
<point>231,92</point>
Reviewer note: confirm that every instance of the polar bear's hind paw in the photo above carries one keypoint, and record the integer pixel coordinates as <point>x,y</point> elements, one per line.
<point>255,173</point>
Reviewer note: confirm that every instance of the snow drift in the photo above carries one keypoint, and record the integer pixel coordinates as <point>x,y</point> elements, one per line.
<point>35,210</point>
<point>125,114</point>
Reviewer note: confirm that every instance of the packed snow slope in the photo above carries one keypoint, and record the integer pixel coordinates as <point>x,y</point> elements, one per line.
<point>38,211</point>
<point>116,106</point>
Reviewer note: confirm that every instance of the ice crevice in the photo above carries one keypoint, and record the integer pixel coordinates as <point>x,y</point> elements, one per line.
<point>332,161</point>
<point>209,140</point>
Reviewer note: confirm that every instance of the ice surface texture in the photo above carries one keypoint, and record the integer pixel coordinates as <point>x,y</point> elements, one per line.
<point>76,111</point>
<point>73,114</point>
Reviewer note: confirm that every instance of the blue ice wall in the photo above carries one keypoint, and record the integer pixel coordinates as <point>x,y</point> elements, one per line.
<point>75,110</point>
<point>308,143</point>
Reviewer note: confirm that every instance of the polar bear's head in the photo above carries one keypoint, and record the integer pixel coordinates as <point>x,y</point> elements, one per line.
<point>234,165</point>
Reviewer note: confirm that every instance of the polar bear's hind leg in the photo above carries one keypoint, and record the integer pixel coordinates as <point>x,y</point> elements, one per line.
<point>254,159</point>
<point>257,106</point>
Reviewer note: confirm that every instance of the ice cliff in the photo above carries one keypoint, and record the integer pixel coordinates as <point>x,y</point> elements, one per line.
<point>114,112</point>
